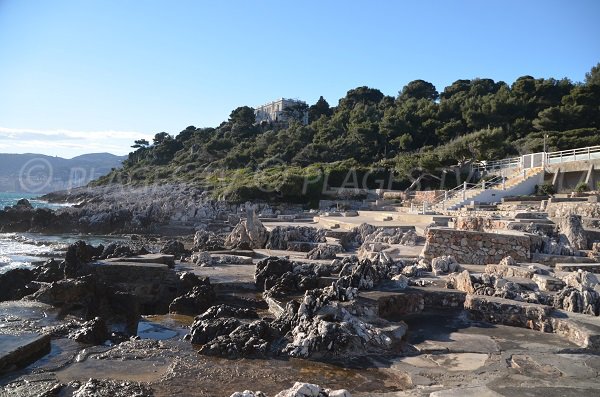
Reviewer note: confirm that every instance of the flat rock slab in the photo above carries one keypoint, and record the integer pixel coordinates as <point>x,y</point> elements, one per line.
<point>165,259</point>
<point>19,350</point>
<point>126,263</point>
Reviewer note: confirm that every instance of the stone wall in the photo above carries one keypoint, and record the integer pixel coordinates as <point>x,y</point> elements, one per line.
<point>585,209</point>
<point>479,248</point>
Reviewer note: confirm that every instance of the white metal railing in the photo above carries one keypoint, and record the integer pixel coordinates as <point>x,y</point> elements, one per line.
<point>564,156</point>
<point>513,162</point>
<point>540,159</point>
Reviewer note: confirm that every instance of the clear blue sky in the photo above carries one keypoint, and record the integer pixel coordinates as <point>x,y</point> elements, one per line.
<point>72,71</point>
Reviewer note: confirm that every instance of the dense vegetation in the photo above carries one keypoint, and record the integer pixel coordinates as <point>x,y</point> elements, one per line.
<point>420,132</point>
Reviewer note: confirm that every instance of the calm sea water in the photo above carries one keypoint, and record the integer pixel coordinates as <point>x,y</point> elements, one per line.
<point>26,249</point>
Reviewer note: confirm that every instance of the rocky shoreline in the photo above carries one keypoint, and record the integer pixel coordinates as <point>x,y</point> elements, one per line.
<point>256,286</point>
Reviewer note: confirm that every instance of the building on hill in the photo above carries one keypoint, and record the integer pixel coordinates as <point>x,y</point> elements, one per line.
<point>281,110</point>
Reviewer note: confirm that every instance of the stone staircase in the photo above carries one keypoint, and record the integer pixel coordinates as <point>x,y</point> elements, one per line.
<point>518,184</point>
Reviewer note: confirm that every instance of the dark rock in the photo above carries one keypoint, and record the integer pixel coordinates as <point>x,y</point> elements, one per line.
<point>93,332</point>
<point>247,340</point>
<point>205,330</point>
<point>269,270</point>
<point>50,271</point>
<point>23,204</point>
<point>14,284</point>
<point>224,311</point>
<point>174,247</point>
<point>195,301</point>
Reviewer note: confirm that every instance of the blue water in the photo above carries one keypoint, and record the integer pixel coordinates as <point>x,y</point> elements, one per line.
<point>8,199</point>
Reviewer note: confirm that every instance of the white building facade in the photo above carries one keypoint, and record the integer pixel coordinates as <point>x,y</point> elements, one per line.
<point>273,112</point>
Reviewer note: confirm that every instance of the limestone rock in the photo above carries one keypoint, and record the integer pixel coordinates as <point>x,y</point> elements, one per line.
<point>202,259</point>
<point>444,264</point>
<point>572,232</point>
<point>112,388</point>
<point>326,251</point>
<point>508,261</point>
<point>309,390</point>
<point>473,223</point>
<point>208,241</point>
<point>295,238</point>
<point>250,233</point>
<point>462,282</point>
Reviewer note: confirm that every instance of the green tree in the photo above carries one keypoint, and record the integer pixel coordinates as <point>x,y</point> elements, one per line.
<point>419,89</point>
<point>593,76</point>
<point>321,108</point>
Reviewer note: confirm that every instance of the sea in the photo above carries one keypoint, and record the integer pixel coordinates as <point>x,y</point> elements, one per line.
<point>27,250</point>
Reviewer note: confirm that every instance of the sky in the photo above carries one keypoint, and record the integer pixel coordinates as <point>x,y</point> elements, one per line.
<point>81,76</point>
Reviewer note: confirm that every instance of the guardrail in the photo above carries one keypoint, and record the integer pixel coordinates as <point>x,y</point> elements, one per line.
<point>564,156</point>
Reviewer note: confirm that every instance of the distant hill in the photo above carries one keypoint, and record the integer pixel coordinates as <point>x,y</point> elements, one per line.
<point>38,173</point>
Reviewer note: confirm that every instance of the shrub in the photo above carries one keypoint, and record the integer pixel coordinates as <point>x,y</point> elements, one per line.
<point>581,187</point>
<point>546,189</point>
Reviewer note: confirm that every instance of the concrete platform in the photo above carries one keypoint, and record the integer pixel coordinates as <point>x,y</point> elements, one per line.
<point>573,267</point>
<point>19,350</point>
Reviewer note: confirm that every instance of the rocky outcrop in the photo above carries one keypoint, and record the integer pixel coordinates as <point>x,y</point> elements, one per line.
<point>295,238</point>
<point>175,248</point>
<point>572,233</point>
<point>246,340</point>
<point>93,332</point>
<point>578,300</point>
<point>208,241</point>
<point>250,233</point>
<point>204,330</point>
<point>195,301</point>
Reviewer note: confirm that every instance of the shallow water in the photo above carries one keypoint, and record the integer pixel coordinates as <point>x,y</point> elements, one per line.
<point>25,249</point>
